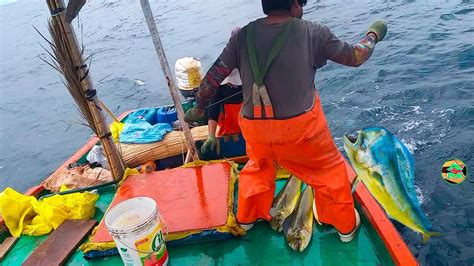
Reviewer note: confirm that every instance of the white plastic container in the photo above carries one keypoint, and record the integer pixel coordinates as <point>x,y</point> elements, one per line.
<point>188,73</point>
<point>136,228</point>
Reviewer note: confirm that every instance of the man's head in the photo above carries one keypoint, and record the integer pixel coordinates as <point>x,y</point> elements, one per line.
<point>293,8</point>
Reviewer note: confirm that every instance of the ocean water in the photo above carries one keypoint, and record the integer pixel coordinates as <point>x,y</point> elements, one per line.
<point>419,84</point>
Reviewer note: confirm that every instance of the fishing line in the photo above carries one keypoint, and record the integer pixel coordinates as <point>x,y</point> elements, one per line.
<point>218,102</point>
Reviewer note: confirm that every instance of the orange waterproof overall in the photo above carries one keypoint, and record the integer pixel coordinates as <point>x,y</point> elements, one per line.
<point>229,120</point>
<point>303,145</point>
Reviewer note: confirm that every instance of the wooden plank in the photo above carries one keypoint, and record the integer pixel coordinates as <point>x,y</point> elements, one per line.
<point>3,227</point>
<point>61,243</point>
<point>6,245</point>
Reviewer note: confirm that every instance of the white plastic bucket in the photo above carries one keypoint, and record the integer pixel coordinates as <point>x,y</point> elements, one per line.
<point>137,230</point>
<point>188,73</point>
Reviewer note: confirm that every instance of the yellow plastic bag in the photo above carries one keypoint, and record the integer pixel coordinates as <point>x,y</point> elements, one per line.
<point>27,215</point>
<point>116,128</point>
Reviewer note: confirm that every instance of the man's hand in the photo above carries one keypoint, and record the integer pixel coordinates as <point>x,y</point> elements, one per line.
<point>379,28</point>
<point>210,143</point>
<point>193,115</point>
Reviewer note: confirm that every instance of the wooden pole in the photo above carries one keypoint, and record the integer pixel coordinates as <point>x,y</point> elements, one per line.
<point>150,21</point>
<point>112,154</point>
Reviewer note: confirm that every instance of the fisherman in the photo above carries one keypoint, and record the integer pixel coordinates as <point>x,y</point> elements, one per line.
<point>224,108</point>
<point>282,119</point>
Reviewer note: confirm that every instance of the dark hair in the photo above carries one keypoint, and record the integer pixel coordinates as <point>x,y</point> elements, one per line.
<point>279,5</point>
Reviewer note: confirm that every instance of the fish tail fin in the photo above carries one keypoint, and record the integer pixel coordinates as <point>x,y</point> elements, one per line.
<point>428,235</point>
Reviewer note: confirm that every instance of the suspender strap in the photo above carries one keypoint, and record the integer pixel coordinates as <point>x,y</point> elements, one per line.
<point>258,71</point>
<point>259,91</point>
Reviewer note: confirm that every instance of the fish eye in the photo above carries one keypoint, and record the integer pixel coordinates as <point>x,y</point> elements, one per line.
<point>363,146</point>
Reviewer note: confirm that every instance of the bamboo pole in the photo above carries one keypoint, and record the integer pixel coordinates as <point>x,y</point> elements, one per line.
<point>150,21</point>
<point>57,20</point>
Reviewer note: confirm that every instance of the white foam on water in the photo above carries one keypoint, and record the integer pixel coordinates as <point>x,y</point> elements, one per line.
<point>417,109</point>
<point>139,82</point>
<point>419,125</point>
<point>406,126</point>
<point>413,144</point>
<point>419,195</point>
<point>443,112</point>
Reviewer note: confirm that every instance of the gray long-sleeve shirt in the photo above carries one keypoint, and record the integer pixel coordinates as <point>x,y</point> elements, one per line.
<point>290,78</point>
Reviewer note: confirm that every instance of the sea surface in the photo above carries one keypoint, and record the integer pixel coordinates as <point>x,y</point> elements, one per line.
<point>419,84</point>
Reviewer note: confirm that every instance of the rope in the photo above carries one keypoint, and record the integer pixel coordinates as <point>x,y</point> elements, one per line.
<point>181,142</point>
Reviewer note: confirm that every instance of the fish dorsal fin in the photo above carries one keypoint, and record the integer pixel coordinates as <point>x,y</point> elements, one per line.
<point>406,168</point>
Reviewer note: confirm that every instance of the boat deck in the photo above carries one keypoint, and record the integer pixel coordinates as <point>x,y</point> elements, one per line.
<point>376,243</point>
<point>261,246</point>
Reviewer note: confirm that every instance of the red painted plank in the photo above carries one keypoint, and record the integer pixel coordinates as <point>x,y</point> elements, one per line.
<point>34,191</point>
<point>195,198</point>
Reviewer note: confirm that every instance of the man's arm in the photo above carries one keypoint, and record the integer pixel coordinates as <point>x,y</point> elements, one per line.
<point>223,66</point>
<point>355,55</point>
<point>216,74</point>
<point>352,55</point>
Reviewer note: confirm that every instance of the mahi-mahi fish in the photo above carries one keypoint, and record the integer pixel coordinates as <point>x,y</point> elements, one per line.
<point>285,202</point>
<point>386,168</point>
<point>298,227</point>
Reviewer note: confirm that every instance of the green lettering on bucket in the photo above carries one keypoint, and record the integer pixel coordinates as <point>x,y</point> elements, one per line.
<point>157,241</point>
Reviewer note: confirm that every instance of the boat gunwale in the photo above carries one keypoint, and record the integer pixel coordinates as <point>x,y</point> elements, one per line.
<point>394,243</point>
<point>396,246</point>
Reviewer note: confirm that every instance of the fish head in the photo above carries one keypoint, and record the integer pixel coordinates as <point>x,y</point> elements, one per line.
<point>277,220</point>
<point>299,239</point>
<point>361,147</point>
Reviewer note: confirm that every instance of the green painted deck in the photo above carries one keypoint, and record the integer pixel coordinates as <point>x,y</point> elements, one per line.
<point>261,246</point>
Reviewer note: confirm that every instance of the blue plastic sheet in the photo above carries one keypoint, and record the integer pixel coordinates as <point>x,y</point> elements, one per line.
<point>141,127</point>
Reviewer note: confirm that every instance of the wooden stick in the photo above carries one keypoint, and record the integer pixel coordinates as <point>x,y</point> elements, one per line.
<point>6,245</point>
<point>168,76</point>
<point>67,32</point>
<point>107,110</point>
<point>188,157</point>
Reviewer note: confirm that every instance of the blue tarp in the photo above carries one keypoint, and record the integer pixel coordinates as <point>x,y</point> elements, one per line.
<point>141,127</point>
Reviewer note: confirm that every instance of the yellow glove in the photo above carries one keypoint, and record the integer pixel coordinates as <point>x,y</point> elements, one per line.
<point>379,28</point>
